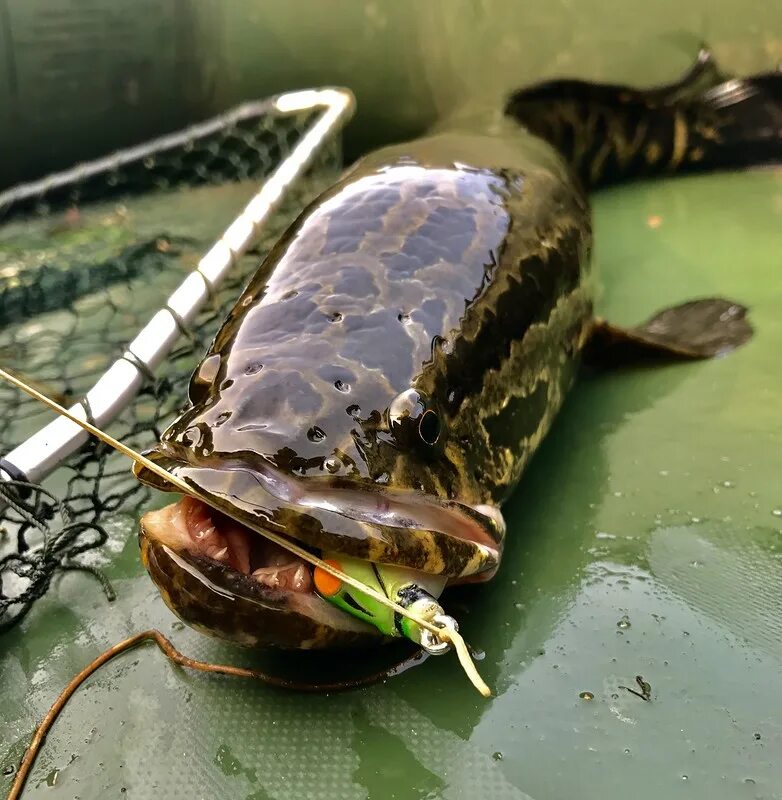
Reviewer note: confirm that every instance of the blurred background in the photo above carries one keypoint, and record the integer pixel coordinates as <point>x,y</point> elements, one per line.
<point>79,78</point>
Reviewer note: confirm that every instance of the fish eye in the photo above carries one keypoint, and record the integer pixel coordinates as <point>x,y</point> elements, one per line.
<point>430,427</point>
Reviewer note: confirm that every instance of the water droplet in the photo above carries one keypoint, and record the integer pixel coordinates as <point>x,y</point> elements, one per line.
<point>685,778</point>
<point>497,755</point>
<point>51,778</point>
<point>587,696</point>
<point>604,535</point>
<point>289,295</point>
<point>728,484</point>
<point>478,654</point>
<point>404,318</point>
<point>223,418</point>
<point>192,436</point>
<point>208,369</point>
<point>354,411</point>
<point>750,781</point>
<point>618,494</point>
<point>331,464</point>
<point>177,626</point>
<point>696,520</point>
<point>624,622</point>
<point>664,472</point>
<point>777,512</point>
<point>341,386</point>
<point>757,736</point>
<point>627,751</point>
<point>227,384</point>
<point>247,300</point>
<point>335,317</point>
<point>518,606</point>
<point>316,434</point>
<point>253,368</point>
<point>9,770</point>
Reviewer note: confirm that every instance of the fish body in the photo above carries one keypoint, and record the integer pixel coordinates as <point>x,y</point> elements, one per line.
<point>387,374</point>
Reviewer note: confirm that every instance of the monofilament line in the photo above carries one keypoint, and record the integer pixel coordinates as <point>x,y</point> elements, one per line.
<point>444,634</point>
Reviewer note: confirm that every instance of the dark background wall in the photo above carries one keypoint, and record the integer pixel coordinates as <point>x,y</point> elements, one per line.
<point>79,78</point>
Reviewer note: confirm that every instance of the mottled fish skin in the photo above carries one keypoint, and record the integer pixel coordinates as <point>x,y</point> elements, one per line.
<point>456,267</point>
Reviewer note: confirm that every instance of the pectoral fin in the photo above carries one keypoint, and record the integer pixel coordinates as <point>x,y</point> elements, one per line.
<point>696,329</point>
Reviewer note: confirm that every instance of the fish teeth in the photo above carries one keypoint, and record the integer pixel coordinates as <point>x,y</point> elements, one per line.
<point>221,555</point>
<point>201,533</point>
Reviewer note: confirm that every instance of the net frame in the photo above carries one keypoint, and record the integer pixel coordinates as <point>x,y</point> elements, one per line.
<point>61,525</point>
<point>37,456</point>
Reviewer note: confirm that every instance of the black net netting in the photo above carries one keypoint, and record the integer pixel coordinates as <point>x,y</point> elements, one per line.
<point>85,261</point>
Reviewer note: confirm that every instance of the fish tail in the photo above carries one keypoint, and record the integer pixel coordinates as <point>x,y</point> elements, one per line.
<point>704,121</point>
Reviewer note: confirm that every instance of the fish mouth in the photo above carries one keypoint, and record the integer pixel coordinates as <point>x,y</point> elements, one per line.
<point>227,581</point>
<point>203,560</point>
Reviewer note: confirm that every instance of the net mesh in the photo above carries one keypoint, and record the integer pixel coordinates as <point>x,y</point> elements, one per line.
<point>84,263</point>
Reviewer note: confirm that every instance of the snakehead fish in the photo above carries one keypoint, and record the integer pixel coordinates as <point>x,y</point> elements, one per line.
<point>385,377</point>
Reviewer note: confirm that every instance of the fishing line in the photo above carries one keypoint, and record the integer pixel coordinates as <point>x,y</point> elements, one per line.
<point>444,633</point>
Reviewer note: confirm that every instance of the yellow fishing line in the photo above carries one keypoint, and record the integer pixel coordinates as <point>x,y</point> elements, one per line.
<point>444,634</point>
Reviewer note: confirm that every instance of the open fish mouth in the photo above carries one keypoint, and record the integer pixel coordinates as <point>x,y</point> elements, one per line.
<point>226,579</point>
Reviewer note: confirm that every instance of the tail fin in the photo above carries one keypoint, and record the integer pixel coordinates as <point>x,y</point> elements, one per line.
<point>610,133</point>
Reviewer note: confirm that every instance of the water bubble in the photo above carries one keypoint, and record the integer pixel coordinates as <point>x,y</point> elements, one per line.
<point>586,696</point>
<point>404,318</point>
<point>335,317</point>
<point>696,520</point>
<point>354,411</point>
<point>624,622</point>
<point>664,472</point>
<point>777,512</point>
<point>341,386</point>
<point>316,434</point>
<point>728,484</point>
<point>750,781</point>
<point>289,295</point>
<point>497,755</point>
<point>9,770</point>
<point>685,778</point>
<point>253,368</point>
<point>478,654</point>
<point>757,736</point>
<point>177,626</point>
<point>627,751</point>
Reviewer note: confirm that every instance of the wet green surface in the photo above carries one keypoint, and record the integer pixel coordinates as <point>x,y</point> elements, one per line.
<point>645,540</point>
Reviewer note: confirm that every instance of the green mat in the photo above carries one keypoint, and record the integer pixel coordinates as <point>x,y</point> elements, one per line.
<point>645,539</point>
